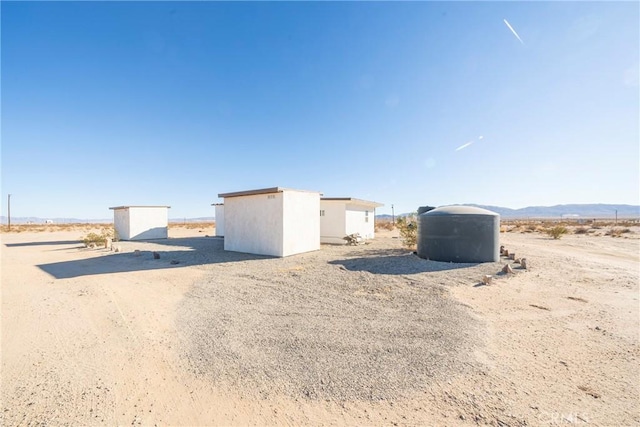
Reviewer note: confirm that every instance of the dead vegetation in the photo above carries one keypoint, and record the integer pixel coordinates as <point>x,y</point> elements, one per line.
<point>192,225</point>
<point>557,228</point>
<point>385,224</point>
<point>89,227</point>
<point>44,228</point>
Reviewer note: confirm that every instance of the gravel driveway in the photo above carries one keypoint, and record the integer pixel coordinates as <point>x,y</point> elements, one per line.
<point>366,323</point>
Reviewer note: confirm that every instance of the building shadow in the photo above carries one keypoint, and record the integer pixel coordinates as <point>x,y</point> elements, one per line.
<point>50,243</point>
<point>397,262</point>
<point>197,251</point>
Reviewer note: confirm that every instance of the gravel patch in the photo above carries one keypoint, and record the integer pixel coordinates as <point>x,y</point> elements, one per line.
<point>340,324</point>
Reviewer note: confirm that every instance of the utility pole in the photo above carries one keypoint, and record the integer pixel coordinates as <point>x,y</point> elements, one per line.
<point>393,216</point>
<point>616,216</point>
<point>9,211</point>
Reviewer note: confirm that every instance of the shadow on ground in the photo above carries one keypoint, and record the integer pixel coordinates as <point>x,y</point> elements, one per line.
<point>139,256</point>
<point>395,261</point>
<point>50,243</point>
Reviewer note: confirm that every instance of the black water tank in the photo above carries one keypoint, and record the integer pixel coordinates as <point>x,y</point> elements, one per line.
<point>459,234</point>
<point>423,209</point>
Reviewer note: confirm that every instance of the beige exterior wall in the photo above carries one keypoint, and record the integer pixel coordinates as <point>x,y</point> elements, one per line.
<point>141,222</point>
<point>332,221</point>
<point>342,218</point>
<point>277,224</point>
<point>219,220</point>
<point>301,226</point>
<point>253,224</point>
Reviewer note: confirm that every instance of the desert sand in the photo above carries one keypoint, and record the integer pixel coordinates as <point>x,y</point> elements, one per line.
<point>366,335</point>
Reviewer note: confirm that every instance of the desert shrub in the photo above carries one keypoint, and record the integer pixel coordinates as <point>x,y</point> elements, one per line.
<point>408,227</point>
<point>617,232</point>
<point>557,231</point>
<point>191,225</point>
<point>384,225</point>
<point>98,239</point>
<point>581,230</point>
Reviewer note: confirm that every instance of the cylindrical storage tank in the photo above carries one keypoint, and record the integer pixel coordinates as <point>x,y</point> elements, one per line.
<point>423,209</point>
<point>459,234</point>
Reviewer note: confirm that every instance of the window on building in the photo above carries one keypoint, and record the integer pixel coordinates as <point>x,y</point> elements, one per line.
<point>366,216</point>
<point>322,212</point>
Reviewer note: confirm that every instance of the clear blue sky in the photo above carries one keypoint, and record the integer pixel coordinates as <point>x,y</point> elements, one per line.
<point>121,103</point>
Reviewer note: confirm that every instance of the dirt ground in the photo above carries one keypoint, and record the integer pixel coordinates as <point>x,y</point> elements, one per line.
<point>367,335</point>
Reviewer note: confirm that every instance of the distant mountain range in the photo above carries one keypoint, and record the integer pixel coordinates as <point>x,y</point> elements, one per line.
<point>559,211</point>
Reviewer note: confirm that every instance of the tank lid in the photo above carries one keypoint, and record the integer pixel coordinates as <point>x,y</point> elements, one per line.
<point>459,210</point>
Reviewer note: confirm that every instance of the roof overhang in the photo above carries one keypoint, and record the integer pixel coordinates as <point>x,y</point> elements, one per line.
<point>352,201</point>
<point>132,206</point>
<point>270,190</point>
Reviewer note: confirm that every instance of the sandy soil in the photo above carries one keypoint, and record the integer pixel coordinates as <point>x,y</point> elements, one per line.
<point>370,335</point>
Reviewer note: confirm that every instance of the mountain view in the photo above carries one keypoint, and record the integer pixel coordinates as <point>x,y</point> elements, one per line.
<point>558,211</point>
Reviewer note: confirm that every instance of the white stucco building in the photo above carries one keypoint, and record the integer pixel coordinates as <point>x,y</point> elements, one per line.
<point>272,221</point>
<point>341,216</point>
<point>219,219</point>
<point>141,222</point>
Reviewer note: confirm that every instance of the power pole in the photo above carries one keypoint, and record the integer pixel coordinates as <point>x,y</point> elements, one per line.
<point>9,211</point>
<point>393,216</point>
<point>616,216</point>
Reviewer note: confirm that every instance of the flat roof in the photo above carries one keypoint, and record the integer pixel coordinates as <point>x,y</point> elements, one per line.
<point>137,206</point>
<point>263,191</point>
<point>352,200</point>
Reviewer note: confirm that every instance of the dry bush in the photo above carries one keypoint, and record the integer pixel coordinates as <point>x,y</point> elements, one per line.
<point>617,232</point>
<point>557,231</point>
<point>384,224</point>
<point>192,225</point>
<point>581,230</point>
<point>96,239</point>
<point>530,228</point>
<point>38,228</point>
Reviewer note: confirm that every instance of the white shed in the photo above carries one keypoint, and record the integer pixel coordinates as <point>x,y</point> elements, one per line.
<point>219,219</point>
<point>141,222</point>
<point>272,221</point>
<point>341,216</point>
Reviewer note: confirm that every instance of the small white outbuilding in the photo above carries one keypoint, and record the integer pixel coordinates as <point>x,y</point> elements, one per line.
<point>341,216</point>
<point>141,222</point>
<point>272,221</point>
<point>219,219</point>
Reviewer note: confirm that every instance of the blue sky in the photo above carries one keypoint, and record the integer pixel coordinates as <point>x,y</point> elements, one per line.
<point>108,104</point>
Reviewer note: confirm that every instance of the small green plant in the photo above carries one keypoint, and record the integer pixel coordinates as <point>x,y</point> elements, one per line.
<point>408,227</point>
<point>94,239</point>
<point>557,231</point>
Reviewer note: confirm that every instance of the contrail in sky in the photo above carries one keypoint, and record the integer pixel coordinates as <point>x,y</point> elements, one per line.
<point>513,31</point>
<point>463,146</point>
